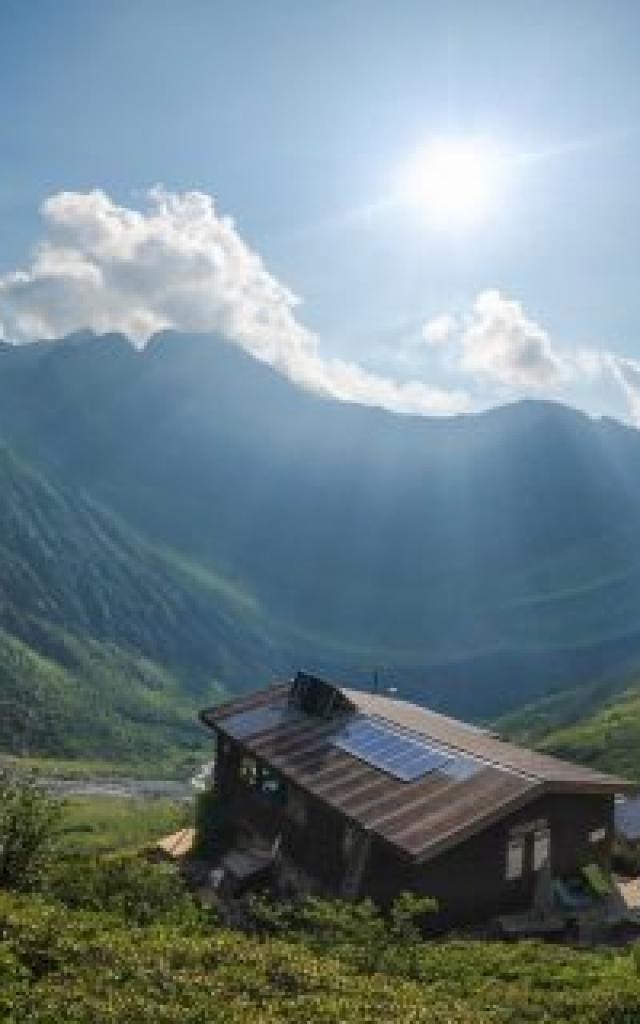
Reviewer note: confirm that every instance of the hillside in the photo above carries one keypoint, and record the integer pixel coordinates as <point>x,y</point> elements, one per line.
<point>106,645</point>
<point>486,560</point>
<point>596,725</point>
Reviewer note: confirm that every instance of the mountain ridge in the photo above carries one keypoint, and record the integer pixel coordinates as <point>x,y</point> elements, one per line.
<point>485,560</point>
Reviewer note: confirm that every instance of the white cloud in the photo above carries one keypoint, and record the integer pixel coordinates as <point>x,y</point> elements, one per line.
<point>590,362</point>
<point>627,373</point>
<point>440,330</point>
<point>502,344</point>
<point>179,264</point>
<point>499,345</point>
<point>496,343</point>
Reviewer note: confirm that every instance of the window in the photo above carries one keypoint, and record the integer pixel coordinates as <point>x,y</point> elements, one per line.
<point>515,858</point>
<point>272,786</point>
<point>261,778</point>
<point>249,771</point>
<point>541,848</point>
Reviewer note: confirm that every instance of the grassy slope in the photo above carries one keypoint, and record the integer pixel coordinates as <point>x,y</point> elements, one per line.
<point>597,725</point>
<point>107,646</point>
<point>70,966</point>
<point>96,701</point>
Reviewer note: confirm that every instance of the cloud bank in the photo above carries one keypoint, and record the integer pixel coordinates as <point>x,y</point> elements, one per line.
<point>178,264</point>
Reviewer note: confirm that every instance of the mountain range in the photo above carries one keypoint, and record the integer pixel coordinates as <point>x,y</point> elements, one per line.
<point>182,520</point>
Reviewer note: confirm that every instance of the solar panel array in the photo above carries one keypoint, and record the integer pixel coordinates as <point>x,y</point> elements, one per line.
<point>404,756</point>
<point>248,723</point>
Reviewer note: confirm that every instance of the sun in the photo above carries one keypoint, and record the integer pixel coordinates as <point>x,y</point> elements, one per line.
<point>455,182</point>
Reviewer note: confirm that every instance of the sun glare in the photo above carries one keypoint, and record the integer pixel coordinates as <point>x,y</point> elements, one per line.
<point>454,182</point>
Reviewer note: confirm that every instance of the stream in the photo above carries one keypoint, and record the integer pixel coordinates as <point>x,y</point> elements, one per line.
<point>142,789</point>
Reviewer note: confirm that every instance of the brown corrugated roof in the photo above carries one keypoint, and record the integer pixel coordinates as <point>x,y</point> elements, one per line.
<point>422,817</point>
<point>553,771</point>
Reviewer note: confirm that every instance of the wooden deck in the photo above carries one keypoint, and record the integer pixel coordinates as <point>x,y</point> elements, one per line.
<point>177,845</point>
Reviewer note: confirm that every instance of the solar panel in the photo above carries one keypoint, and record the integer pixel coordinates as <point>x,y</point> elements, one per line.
<point>249,723</point>
<point>399,754</point>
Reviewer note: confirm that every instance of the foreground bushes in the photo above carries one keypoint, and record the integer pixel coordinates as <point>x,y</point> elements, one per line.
<point>115,939</point>
<point>59,966</point>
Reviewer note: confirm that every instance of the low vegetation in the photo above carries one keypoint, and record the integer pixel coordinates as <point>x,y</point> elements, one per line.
<point>103,938</point>
<point>59,964</point>
<point>101,824</point>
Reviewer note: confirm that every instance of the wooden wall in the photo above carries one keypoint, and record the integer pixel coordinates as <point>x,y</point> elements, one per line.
<point>469,881</point>
<point>315,845</point>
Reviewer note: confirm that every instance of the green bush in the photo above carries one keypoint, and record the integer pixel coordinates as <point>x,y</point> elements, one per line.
<point>29,823</point>
<point>361,931</point>
<point>138,892</point>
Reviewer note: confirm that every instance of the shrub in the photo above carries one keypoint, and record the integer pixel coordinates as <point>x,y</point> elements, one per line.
<point>364,934</point>
<point>137,892</point>
<point>29,822</point>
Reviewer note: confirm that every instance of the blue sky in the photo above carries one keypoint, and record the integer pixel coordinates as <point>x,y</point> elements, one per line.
<point>299,119</point>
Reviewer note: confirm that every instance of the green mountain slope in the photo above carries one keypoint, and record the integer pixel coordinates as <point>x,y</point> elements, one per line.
<point>107,646</point>
<point>596,725</point>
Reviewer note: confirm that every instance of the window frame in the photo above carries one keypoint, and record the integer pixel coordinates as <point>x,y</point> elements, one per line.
<point>541,854</point>
<point>514,870</point>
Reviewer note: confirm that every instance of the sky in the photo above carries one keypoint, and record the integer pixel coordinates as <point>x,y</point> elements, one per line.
<point>429,206</point>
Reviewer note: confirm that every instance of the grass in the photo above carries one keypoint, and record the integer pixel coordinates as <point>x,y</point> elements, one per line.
<point>105,824</point>
<point>84,769</point>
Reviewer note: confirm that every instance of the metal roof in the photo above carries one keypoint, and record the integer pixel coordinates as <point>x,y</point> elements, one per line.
<point>420,817</point>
